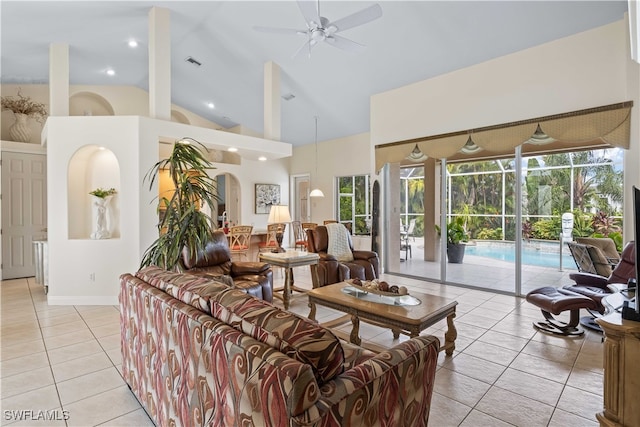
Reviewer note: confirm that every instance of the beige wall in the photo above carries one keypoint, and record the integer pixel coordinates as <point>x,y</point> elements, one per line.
<point>336,157</point>
<point>581,71</point>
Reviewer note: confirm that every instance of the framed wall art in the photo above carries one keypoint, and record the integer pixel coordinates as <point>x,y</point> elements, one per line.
<point>266,195</point>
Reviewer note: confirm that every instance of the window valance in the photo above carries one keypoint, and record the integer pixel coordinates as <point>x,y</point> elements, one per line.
<point>600,127</point>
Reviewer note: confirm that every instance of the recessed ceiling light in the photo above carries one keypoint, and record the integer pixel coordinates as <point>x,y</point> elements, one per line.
<point>232,149</point>
<point>111,72</point>
<point>211,105</point>
<point>262,158</point>
<point>133,43</point>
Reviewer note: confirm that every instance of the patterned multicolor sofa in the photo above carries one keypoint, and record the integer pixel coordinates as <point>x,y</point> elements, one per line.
<point>196,352</point>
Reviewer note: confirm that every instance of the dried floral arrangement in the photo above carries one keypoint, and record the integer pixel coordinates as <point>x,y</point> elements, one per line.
<point>24,105</point>
<point>102,193</point>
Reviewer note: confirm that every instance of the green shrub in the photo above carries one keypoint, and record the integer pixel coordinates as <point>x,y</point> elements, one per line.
<point>489,234</point>
<point>547,229</point>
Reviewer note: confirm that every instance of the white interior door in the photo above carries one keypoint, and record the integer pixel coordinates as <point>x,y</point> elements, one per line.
<point>302,206</point>
<point>24,211</point>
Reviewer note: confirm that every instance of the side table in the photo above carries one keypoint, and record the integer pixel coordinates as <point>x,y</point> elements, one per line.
<point>288,260</point>
<point>621,367</point>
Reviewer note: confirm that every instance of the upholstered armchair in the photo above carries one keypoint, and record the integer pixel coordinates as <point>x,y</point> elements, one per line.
<point>595,286</point>
<point>255,278</point>
<point>365,264</point>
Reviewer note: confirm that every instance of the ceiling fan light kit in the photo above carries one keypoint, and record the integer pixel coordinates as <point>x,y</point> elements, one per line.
<point>320,29</point>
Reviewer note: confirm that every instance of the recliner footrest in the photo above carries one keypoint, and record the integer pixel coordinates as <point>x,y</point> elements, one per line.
<point>553,301</point>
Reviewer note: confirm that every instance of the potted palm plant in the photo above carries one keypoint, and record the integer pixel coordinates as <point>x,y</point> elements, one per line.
<point>456,236</point>
<point>182,221</point>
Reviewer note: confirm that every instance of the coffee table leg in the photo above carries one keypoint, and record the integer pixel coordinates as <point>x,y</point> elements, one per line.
<point>450,336</point>
<point>355,332</point>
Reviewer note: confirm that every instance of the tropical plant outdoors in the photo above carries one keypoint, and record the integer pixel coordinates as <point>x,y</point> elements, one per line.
<point>102,193</point>
<point>182,221</point>
<point>456,232</point>
<point>585,183</point>
<point>24,105</point>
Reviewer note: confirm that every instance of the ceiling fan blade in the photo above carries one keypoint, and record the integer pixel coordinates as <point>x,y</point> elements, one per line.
<point>362,17</point>
<point>278,30</point>
<point>309,10</point>
<point>345,44</point>
<point>305,48</point>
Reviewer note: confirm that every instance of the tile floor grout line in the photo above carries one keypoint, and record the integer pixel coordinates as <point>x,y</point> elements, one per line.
<point>55,383</point>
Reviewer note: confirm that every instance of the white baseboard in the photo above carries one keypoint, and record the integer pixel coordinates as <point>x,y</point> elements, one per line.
<point>82,300</point>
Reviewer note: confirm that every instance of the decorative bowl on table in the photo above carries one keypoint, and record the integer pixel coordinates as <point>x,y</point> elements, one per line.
<point>378,287</point>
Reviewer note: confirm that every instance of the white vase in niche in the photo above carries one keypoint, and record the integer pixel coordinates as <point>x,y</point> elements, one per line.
<point>102,204</point>
<point>20,131</point>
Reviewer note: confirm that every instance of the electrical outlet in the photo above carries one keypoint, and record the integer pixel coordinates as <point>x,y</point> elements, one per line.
<point>92,277</point>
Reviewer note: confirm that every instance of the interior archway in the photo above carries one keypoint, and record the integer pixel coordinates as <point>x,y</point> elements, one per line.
<point>229,207</point>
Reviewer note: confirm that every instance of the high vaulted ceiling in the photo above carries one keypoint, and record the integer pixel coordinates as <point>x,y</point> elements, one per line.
<point>412,41</point>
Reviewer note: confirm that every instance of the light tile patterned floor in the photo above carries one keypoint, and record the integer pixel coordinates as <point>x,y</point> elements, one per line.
<point>503,372</point>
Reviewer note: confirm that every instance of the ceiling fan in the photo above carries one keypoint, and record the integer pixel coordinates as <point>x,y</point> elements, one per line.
<point>320,29</point>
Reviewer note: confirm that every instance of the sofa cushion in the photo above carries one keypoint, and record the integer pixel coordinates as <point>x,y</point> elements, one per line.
<point>193,290</point>
<point>295,336</point>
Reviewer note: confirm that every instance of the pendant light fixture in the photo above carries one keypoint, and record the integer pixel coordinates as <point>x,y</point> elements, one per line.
<point>416,155</point>
<point>316,192</point>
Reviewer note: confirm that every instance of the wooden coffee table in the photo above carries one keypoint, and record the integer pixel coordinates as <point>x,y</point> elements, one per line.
<point>383,311</point>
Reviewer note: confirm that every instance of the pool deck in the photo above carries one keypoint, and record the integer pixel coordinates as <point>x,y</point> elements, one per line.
<point>486,273</point>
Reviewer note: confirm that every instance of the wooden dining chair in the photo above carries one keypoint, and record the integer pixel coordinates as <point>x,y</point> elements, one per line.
<point>240,240</point>
<point>299,235</point>
<point>329,221</point>
<point>270,244</point>
<point>309,226</point>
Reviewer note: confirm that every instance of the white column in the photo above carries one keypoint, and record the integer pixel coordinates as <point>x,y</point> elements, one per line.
<point>159,64</point>
<point>58,79</point>
<point>272,101</point>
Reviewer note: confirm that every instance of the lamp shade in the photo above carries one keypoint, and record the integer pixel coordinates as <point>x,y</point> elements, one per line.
<point>316,193</point>
<point>278,214</point>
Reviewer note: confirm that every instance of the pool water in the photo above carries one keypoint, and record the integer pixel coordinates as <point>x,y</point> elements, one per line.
<point>530,256</point>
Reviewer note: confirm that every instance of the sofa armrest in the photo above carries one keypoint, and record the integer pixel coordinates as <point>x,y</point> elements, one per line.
<point>364,255</point>
<point>588,279</point>
<point>243,268</point>
<point>400,380</point>
<point>326,257</point>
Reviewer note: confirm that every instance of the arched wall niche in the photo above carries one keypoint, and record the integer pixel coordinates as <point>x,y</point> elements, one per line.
<point>177,116</point>
<point>229,192</point>
<point>89,104</point>
<point>92,167</point>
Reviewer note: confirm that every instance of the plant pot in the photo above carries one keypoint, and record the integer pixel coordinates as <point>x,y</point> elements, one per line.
<point>455,252</point>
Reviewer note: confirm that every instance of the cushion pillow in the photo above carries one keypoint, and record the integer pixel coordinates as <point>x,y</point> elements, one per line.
<point>295,336</point>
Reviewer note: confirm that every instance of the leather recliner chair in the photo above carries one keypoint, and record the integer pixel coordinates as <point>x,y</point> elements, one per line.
<point>595,286</point>
<point>256,278</point>
<point>365,264</point>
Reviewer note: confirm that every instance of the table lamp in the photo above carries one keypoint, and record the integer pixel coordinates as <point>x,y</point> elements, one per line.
<point>279,214</point>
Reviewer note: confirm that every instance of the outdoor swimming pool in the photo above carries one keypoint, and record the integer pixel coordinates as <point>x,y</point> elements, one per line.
<point>530,255</point>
